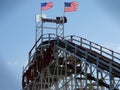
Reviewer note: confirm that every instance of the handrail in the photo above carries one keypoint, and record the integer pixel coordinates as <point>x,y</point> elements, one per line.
<point>80,50</point>
<point>95,47</point>
<point>79,41</point>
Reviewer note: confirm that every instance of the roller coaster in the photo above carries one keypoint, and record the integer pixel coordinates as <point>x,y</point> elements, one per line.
<point>57,62</point>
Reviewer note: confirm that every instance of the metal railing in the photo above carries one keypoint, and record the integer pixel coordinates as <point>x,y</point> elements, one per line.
<point>78,41</point>
<point>112,55</point>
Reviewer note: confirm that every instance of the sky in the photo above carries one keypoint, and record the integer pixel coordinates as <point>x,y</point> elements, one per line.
<point>95,20</point>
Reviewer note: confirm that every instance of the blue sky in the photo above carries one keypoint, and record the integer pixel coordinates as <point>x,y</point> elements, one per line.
<point>95,20</point>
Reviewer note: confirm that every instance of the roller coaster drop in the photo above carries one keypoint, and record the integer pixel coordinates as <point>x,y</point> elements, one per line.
<point>69,63</point>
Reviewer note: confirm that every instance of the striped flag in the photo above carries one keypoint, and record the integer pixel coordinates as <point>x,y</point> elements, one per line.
<point>46,5</point>
<point>70,6</point>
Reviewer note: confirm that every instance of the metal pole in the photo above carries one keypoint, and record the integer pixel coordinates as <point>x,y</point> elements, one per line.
<point>41,25</point>
<point>63,20</point>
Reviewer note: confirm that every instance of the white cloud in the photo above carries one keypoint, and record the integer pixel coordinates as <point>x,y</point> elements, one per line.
<point>16,63</point>
<point>12,63</point>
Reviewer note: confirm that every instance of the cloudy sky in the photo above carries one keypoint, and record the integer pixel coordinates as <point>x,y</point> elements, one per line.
<point>95,20</point>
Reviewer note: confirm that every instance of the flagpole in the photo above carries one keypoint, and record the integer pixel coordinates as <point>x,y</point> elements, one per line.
<point>63,19</point>
<point>41,32</point>
<point>41,24</point>
<point>41,9</point>
<point>64,10</point>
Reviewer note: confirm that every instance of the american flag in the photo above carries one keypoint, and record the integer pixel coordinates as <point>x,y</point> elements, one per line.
<point>70,6</point>
<point>46,5</point>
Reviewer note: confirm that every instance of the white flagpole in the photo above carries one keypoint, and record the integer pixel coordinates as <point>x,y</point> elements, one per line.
<point>41,23</point>
<point>41,33</point>
<point>63,19</point>
<point>64,10</point>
